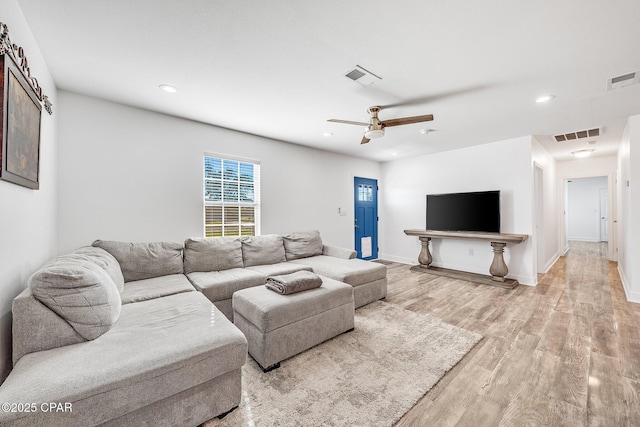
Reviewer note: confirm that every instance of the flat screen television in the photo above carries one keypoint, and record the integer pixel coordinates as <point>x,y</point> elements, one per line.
<point>476,211</point>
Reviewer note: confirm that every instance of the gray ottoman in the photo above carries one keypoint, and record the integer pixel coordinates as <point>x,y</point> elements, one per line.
<point>280,326</point>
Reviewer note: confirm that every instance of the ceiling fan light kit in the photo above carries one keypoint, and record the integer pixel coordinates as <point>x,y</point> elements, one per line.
<point>374,133</point>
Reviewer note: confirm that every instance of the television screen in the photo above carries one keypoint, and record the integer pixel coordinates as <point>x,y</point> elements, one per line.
<point>478,211</point>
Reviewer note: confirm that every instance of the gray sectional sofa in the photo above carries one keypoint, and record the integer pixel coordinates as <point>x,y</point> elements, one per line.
<point>117,334</point>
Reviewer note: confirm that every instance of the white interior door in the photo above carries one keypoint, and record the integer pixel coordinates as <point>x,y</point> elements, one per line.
<point>539,218</point>
<point>604,215</point>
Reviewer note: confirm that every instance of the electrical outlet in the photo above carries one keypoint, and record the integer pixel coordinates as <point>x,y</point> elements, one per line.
<point>470,252</point>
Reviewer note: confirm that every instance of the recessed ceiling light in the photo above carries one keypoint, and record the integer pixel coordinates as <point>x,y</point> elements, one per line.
<point>583,153</point>
<point>395,153</point>
<point>168,88</point>
<point>544,98</point>
<point>425,131</point>
<point>327,134</point>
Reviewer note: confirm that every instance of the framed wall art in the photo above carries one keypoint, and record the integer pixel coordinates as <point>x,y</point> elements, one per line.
<point>21,115</point>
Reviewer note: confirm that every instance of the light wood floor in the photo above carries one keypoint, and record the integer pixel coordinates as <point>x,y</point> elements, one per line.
<point>564,353</point>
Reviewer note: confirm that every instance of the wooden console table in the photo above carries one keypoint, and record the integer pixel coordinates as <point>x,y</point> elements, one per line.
<point>498,267</point>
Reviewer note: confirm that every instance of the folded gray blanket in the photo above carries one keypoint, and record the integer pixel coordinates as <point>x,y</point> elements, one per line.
<point>295,282</point>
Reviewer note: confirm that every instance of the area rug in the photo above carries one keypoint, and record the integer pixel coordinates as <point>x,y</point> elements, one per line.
<point>370,376</point>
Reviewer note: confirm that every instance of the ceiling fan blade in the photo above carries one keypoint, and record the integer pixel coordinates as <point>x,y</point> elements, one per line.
<point>407,120</point>
<point>347,122</point>
<point>436,96</point>
<point>364,140</point>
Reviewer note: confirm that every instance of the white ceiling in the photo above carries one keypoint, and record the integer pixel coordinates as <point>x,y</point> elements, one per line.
<point>276,68</point>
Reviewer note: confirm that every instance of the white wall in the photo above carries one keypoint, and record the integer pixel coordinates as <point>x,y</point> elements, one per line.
<point>584,168</point>
<point>583,208</point>
<point>27,217</point>
<point>628,230</point>
<point>135,175</point>
<point>550,250</point>
<point>504,166</point>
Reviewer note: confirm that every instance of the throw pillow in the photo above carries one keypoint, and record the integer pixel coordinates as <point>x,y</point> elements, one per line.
<point>105,260</point>
<point>80,292</point>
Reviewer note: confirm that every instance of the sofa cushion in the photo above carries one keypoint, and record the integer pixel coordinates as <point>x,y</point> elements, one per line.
<point>302,244</point>
<point>156,287</point>
<point>144,260</point>
<point>261,250</point>
<point>220,285</point>
<point>212,254</point>
<point>79,291</point>
<point>158,348</point>
<point>279,269</point>
<point>352,271</point>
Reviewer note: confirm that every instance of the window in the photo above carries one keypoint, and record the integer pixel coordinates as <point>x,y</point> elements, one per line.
<point>231,197</point>
<point>365,193</point>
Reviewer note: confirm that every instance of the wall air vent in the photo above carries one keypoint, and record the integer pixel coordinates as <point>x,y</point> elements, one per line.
<point>362,76</point>
<point>623,80</point>
<point>570,136</point>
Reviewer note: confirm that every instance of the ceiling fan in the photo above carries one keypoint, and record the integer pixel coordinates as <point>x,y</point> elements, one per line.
<point>375,127</point>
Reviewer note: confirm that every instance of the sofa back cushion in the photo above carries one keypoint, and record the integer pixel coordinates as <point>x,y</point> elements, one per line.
<point>79,291</point>
<point>263,250</point>
<point>144,260</point>
<point>212,254</point>
<point>302,244</point>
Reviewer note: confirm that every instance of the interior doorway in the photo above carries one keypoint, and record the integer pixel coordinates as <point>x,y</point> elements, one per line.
<point>538,188</point>
<point>604,215</point>
<point>587,209</point>
<point>365,222</point>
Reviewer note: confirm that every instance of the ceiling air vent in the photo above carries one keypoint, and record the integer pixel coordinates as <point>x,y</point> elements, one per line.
<point>362,76</point>
<point>624,80</point>
<point>589,133</point>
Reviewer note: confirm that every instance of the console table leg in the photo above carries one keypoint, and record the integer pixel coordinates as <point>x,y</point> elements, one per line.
<point>498,267</point>
<point>425,256</point>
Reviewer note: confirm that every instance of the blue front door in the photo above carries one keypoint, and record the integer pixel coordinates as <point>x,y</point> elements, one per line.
<point>365,193</point>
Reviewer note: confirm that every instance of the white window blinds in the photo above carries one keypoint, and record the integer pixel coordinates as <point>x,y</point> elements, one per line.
<point>231,197</point>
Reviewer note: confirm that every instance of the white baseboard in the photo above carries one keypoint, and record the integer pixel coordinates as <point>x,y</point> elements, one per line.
<point>551,262</point>
<point>401,260</point>
<point>626,284</point>
<point>524,280</point>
